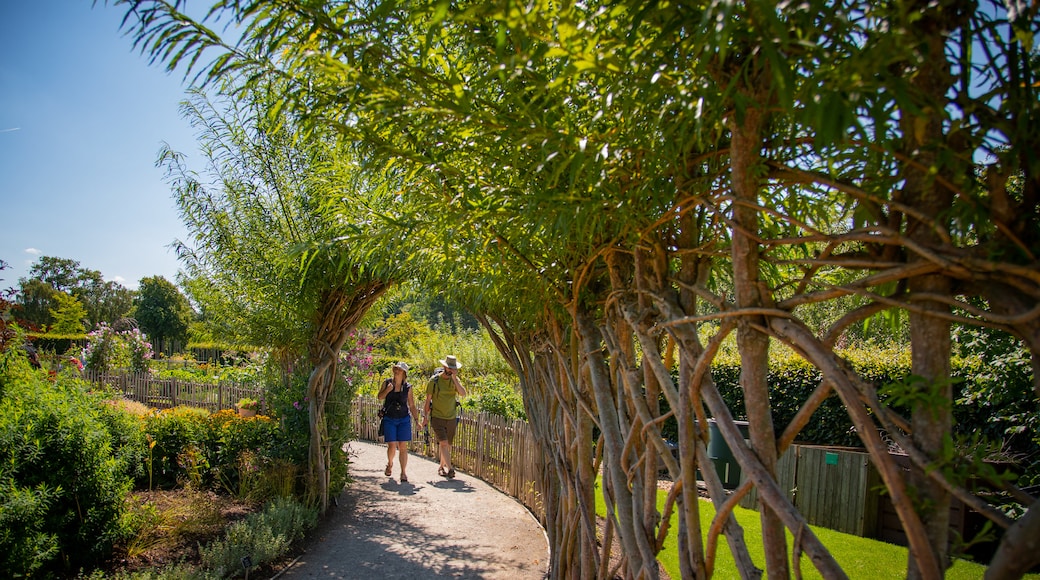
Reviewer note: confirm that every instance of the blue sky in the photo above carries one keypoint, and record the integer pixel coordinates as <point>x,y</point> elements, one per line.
<point>82,119</point>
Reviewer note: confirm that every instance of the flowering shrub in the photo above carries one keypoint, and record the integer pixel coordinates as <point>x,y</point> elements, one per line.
<point>288,402</point>
<point>140,350</point>
<point>102,348</point>
<point>108,349</point>
<point>355,361</point>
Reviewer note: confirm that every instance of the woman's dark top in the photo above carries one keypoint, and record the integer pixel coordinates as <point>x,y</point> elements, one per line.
<point>397,401</point>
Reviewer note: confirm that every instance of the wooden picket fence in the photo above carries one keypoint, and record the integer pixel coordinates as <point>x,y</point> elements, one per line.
<point>497,450</point>
<point>168,393</point>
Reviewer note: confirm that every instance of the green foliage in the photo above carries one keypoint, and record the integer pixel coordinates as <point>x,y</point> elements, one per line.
<point>288,403</point>
<point>162,311</point>
<point>491,395</point>
<point>398,336</point>
<point>64,476</point>
<point>50,277</point>
<point>193,446</point>
<point>402,338</point>
<point>995,396</point>
<point>262,537</point>
<point>173,431</point>
<point>178,571</point>
<point>792,379</point>
<point>68,315</point>
<point>28,542</point>
<point>212,374</point>
<point>991,376</point>
<point>128,440</point>
<point>234,436</point>
<point>36,299</point>
<point>916,392</point>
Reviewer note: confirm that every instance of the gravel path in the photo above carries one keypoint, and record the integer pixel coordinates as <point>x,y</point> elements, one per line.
<point>431,527</point>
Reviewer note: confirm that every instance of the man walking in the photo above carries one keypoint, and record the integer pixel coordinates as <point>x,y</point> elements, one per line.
<point>442,394</point>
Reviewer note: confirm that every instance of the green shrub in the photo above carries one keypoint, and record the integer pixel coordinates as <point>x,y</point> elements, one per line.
<point>992,377</point>
<point>129,446</point>
<point>492,395</point>
<point>263,537</point>
<point>792,380</point>
<point>289,404</point>
<point>27,542</point>
<point>174,431</point>
<point>62,487</point>
<point>232,437</point>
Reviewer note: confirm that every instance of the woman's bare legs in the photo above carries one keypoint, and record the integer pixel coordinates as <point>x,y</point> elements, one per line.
<point>391,448</point>
<point>402,450</point>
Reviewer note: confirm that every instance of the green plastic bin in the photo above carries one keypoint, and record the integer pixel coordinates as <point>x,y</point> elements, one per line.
<point>720,454</point>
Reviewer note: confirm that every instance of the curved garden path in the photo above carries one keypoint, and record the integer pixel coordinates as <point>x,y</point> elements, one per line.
<point>430,527</point>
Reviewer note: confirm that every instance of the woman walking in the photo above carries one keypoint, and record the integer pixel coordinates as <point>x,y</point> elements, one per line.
<point>397,420</point>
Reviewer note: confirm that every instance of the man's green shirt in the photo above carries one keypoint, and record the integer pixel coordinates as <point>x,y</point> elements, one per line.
<point>442,404</point>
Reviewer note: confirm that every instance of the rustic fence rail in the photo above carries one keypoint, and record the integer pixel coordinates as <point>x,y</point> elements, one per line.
<point>497,450</point>
<point>168,393</point>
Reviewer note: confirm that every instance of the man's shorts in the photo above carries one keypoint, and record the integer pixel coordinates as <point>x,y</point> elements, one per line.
<point>444,429</point>
<point>397,429</point>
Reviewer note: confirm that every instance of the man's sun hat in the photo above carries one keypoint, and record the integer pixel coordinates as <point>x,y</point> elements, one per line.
<point>401,365</point>
<point>450,362</point>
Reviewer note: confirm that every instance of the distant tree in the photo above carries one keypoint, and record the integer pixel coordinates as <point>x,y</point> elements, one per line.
<point>35,300</point>
<point>104,301</point>
<point>62,274</point>
<point>162,311</point>
<point>68,315</point>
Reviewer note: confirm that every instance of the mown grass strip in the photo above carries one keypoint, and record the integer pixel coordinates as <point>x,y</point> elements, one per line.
<point>859,557</point>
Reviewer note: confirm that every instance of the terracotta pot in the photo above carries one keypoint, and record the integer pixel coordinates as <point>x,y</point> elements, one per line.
<point>246,412</point>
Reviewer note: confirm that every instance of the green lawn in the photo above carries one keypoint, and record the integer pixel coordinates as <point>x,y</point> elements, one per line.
<point>859,557</point>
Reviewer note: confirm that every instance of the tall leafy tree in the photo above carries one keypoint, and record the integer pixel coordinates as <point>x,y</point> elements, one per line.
<point>35,301</point>
<point>162,312</point>
<point>261,262</point>
<point>105,301</point>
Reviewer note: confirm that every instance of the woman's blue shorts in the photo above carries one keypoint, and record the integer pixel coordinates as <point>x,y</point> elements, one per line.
<point>399,429</point>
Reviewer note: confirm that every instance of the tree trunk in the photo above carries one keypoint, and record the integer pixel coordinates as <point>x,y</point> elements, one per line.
<point>752,344</point>
<point>614,474</point>
<point>337,315</point>
<point>922,129</point>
